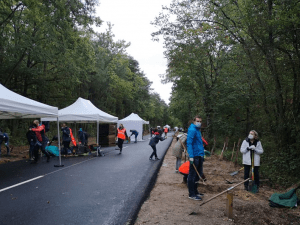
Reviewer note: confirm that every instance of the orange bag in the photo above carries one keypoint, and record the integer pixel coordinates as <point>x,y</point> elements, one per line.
<point>185,168</point>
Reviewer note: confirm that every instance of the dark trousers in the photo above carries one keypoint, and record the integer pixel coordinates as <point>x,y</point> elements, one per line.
<point>154,151</point>
<point>193,176</point>
<point>36,151</point>
<point>7,148</point>
<point>66,146</point>
<point>31,149</point>
<point>247,169</point>
<point>120,143</point>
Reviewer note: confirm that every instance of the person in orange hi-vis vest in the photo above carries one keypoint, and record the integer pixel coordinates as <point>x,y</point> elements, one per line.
<point>166,131</point>
<point>122,135</point>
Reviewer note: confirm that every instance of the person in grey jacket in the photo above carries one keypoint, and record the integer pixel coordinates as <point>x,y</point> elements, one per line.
<point>178,149</point>
<point>153,142</point>
<point>251,145</point>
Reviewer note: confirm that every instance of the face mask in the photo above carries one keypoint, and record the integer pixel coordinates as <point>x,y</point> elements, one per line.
<point>198,124</point>
<point>250,136</point>
<point>120,128</point>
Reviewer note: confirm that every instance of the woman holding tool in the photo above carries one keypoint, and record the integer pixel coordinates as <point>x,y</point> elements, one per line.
<point>251,149</point>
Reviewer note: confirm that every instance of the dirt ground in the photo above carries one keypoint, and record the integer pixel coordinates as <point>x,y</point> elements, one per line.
<point>168,202</point>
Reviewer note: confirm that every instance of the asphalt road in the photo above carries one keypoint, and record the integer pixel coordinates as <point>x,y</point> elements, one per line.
<point>87,190</point>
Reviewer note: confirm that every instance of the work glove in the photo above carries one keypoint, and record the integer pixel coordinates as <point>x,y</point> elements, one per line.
<point>252,147</point>
<point>5,144</point>
<point>191,161</point>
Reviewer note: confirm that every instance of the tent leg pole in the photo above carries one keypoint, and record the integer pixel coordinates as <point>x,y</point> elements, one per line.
<point>97,136</point>
<point>59,148</point>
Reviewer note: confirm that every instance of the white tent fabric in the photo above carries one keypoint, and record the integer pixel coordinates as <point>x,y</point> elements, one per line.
<point>133,122</point>
<point>83,111</point>
<point>15,106</point>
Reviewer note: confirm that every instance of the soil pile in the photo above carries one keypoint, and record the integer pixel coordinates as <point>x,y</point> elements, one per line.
<point>168,202</point>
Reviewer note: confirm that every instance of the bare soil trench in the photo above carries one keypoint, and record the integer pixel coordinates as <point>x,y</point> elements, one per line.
<point>168,202</point>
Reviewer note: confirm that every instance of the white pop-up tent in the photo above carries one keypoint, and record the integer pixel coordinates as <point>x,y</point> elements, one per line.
<point>83,111</point>
<point>15,106</point>
<point>133,122</point>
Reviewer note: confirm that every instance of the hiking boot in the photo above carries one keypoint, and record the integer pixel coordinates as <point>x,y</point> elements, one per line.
<point>48,158</point>
<point>196,198</point>
<point>150,159</point>
<point>157,159</point>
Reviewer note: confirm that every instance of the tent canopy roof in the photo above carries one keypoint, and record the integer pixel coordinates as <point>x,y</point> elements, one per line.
<point>133,117</point>
<point>13,106</point>
<point>83,111</point>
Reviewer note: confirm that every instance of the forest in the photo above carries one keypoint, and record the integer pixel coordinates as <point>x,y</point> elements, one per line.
<point>237,64</point>
<point>234,62</point>
<point>50,52</point>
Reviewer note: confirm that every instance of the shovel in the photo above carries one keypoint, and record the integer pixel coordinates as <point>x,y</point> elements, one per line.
<point>236,172</point>
<point>252,187</point>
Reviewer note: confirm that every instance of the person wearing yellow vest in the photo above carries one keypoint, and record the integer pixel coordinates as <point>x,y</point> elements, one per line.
<point>122,135</point>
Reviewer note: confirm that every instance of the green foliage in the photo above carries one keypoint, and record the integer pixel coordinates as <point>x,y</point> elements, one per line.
<point>49,53</point>
<point>236,63</point>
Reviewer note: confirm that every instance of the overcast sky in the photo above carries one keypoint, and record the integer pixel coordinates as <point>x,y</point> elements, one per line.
<point>131,20</point>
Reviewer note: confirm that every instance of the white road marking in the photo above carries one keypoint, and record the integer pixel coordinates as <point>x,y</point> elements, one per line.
<point>27,181</point>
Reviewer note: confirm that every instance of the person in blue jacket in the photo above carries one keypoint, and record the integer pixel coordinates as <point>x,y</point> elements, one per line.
<point>135,133</point>
<point>196,154</point>
<point>4,137</point>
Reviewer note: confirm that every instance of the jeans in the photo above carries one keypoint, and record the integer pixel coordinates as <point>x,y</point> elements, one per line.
<point>193,176</point>
<point>154,151</point>
<point>246,175</point>
<point>178,163</point>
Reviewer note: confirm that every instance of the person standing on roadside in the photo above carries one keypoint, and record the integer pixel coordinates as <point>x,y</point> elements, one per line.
<point>66,138</point>
<point>41,141</point>
<point>31,137</point>
<point>251,145</point>
<point>4,137</point>
<point>153,142</point>
<point>166,131</point>
<point>196,154</point>
<point>178,149</point>
<point>122,135</point>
